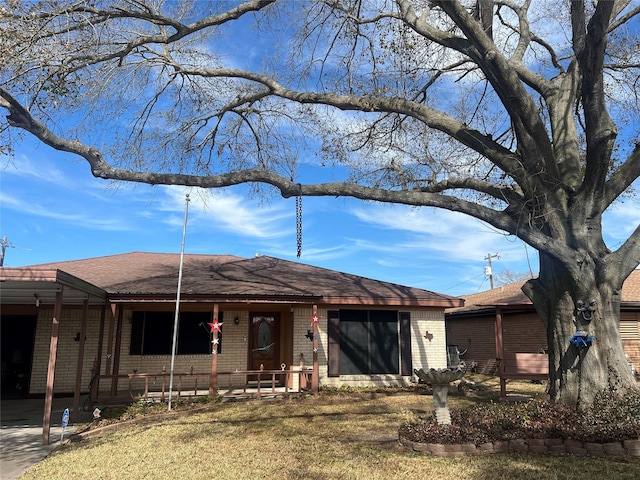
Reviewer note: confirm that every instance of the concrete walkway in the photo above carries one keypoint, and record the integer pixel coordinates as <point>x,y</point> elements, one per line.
<point>21,433</point>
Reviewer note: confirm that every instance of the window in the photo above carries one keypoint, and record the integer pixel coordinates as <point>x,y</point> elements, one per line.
<point>152,333</point>
<point>369,342</point>
<point>629,325</point>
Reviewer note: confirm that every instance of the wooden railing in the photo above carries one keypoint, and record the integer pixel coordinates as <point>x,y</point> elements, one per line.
<point>533,366</point>
<point>261,382</point>
<point>529,366</point>
<point>240,383</point>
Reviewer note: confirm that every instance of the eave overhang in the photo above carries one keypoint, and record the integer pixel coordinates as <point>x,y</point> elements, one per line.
<point>29,286</point>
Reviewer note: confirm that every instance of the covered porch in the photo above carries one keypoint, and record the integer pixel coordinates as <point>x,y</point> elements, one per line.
<point>91,351</point>
<point>107,329</point>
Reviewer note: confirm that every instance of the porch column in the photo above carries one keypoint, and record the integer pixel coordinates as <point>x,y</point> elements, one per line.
<point>81,340</point>
<point>116,353</point>
<point>95,387</point>
<point>500,352</point>
<point>51,371</point>
<point>213,377</point>
<point>315,319</point>
<point>112,319</point>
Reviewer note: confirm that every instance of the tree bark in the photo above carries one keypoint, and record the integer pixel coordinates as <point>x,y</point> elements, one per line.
<point>577,374</point>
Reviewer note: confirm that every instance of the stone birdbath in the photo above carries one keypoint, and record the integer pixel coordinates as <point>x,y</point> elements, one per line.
<point>440,378</point>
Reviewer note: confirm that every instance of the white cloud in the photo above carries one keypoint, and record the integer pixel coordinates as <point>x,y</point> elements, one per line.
<point>620,220</point>
<point>84,220</point>
<point>449,235</point>
<point>24,166</point>
<point>224,210</point>
<point>311,254</point>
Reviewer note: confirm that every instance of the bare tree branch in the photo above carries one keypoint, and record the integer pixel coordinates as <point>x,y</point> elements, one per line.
<point>622,178</point>
<point>470,106</point>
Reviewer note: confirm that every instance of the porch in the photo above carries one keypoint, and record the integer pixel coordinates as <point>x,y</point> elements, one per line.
<point>232,384</point>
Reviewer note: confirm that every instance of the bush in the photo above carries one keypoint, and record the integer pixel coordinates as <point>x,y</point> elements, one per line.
<point>612,418</point>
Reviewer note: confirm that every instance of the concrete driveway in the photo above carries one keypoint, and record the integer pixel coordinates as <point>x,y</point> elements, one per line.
<point>21,433</point>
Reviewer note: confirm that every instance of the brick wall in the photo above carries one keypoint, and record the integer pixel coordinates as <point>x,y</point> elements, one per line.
<point>428,341</point>
<point>632,348</point>
<point>427,346</point>
<point>233,356</point>
<point>477,337</point>
<point>302,345</point>
<point>68,348</point>
<point>523,333</point>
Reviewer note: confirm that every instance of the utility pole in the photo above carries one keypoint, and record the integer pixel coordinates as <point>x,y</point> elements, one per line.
<point>4,243</point>
<point>487,270</point>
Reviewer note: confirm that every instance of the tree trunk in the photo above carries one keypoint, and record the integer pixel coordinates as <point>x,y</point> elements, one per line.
<point>595,361</point>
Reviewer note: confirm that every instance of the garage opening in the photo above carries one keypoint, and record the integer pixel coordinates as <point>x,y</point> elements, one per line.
<point>18,335</point>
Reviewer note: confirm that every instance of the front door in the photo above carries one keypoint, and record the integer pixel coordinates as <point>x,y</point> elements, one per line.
<point>264,353</point>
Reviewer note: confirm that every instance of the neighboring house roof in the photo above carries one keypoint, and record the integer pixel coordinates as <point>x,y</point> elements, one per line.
<point>512,295</point>
<point>631,288</point>
<point>231,278</point>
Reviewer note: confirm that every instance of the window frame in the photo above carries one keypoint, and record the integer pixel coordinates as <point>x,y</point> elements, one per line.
<point>398,363</point>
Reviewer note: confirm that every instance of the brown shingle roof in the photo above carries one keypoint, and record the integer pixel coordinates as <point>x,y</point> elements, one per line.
<point>512,294</point>
<point>136,272</point>
<point>141,273</point>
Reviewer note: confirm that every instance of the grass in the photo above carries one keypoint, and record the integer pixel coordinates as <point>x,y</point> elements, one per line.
<point>341,435</point>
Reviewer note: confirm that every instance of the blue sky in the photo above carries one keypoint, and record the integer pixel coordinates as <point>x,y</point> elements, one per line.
<point>53,209</point>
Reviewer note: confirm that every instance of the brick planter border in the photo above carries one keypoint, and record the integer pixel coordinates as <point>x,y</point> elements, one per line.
<point>627,448</point>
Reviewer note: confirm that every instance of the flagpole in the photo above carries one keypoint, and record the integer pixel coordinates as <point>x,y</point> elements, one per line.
<point>177,315</point>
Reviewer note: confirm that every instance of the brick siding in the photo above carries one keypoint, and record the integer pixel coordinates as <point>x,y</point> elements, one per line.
<point>523,333</point>
<point>427,345</point>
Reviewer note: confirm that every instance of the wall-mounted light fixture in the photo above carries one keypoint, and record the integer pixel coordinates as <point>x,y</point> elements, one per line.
<point>236,321</point>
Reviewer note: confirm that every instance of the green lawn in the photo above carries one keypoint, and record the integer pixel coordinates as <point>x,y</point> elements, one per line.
<point>338,436</point>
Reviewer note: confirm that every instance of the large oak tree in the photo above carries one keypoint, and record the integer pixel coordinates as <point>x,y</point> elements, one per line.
<point>521,113</point>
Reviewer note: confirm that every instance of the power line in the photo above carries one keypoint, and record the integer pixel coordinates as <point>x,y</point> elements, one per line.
<point>481,284</point>
<point>461,283</point>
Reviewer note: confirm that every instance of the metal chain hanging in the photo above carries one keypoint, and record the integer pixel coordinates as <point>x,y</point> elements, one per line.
<point>299,224</point>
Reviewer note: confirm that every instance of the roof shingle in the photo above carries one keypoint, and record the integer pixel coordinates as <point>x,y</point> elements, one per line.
<point>141,273</point>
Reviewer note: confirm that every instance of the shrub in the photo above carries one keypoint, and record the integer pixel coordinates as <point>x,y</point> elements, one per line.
<point>612,418</point>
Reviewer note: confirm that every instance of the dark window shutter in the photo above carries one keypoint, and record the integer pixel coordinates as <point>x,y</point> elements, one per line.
<point>405,344</point>
<point>137,333</point>
<point>158,333</point>
<point>383,342</point>
<point>354,343</point>
<point>333,347</point>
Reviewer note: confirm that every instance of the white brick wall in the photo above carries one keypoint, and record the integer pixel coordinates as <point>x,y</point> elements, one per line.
<point>428,339</point>
<point>233,356</point>
<point>67,358</point>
